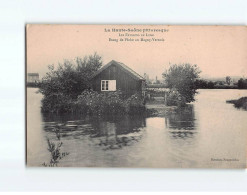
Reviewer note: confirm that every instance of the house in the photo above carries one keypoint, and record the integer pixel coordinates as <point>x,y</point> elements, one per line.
<point>117,76</point>
<point>33,77</point>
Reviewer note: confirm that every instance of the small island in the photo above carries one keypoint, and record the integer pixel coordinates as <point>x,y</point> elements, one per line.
<point>240,103</point>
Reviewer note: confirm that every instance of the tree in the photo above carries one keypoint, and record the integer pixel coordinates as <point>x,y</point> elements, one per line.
<point>182,78</point>
<point>228,80</point>
<point>242,83</point>
<point>201,84</point>
<point>210,85</point>
<point>63,85</point>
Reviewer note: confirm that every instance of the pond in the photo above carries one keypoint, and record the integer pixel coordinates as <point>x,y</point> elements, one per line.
<point>209,133</point>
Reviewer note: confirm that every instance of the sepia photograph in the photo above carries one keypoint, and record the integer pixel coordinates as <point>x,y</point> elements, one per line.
<point>136,96</point>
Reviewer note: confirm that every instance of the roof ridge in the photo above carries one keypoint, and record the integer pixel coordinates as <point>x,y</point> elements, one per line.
<point>121,63</point>
<point>125,67</point>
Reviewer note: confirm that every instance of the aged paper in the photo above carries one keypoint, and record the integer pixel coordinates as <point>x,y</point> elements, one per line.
<point>153,96</point>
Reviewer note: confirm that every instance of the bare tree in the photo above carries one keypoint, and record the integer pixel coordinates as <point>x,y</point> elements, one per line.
<point>228,80</point>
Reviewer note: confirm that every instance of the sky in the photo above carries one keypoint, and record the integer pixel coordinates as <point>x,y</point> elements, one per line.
<point>219,51</point>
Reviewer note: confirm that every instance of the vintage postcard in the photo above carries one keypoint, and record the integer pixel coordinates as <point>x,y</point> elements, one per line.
<point>138,96</point>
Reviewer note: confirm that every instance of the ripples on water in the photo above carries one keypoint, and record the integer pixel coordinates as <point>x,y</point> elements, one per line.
<point>180,139</point>
<point>109,132</point>
<point>117,132</point>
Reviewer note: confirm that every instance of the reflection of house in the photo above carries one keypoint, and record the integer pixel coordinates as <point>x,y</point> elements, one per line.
<point>33,77</point>
<point>117,76</point>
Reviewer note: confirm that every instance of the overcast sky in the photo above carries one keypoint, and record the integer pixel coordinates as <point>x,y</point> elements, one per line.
<point>218,50</point>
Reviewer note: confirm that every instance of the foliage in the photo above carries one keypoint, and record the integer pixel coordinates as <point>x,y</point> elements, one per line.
<point>203,84</point>
<point>242,83</point>
<point>91,102</point>
<point>210,85</point>
<point>174,98</point>
<point>240,103</point>
<point>88,101</point>
<point>62,85</point>
<point>56,130</point>
<point>228,80</point>
<point>56,103</point>
<point>225,87</point>
<point>112,103</point>
<point>134,104</point>
<point>182,77</point>
<point>56,155</point>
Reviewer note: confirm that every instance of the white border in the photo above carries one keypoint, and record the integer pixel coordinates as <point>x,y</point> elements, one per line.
<point>14,176</point>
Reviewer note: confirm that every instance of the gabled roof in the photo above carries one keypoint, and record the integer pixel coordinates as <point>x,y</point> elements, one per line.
<point>122,66</point>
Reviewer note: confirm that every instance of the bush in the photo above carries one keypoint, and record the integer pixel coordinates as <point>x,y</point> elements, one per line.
<point>134,104</point>
<point>91,102</point>
<point>182,77</point>
<point>55,152</point>
<point>56,103</point>
<point>112,103</point>
<point>242,83</point>
<point>174,98</point>
<point>210,85</point>
<point>61,86</point>
<point>240,103</point>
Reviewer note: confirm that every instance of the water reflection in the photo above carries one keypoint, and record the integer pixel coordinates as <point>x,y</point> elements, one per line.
<point>189,138</point>
<point>108,132</point>
<point>115,132</point>
<point>181,125</point>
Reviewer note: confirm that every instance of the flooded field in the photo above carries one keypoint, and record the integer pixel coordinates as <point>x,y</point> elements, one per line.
<point>209,133</point>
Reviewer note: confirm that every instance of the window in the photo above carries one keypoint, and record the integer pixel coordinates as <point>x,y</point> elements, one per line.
<point>108,85</point>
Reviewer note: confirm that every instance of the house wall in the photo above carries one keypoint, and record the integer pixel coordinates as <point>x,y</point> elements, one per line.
<point>124,82</point>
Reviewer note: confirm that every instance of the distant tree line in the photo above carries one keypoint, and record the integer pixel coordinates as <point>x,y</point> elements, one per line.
<point>242,83</point>
<point>203,84</point>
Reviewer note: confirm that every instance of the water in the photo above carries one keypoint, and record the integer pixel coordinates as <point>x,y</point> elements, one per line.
<point>207,129</point>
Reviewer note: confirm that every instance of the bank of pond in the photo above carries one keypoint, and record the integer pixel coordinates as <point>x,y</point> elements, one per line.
<point>94,103</point>
<point>240,103</point>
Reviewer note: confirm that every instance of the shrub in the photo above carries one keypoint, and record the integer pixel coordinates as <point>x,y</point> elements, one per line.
<point>112,103</point>
<point>61,86</point>
<point>56,155</point>
<point>240,103</point>
<point>56,103</point>
<point>182,77</point>
<point>242,83</point>
<point>91,102</point>
<point>134,104</point>
<point>174,98</point>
